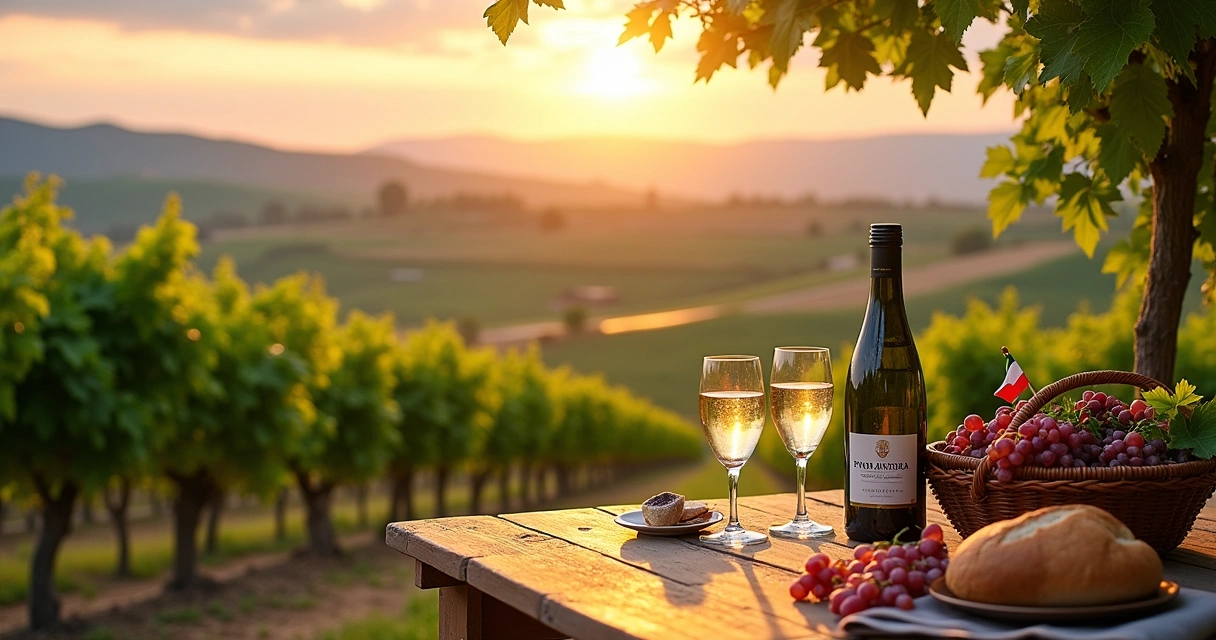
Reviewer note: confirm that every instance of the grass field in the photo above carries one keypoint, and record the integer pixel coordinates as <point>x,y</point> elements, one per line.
<point>664,364</point>
<point>505,269</point>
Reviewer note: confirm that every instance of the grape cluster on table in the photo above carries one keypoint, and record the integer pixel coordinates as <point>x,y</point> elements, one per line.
<point>880,575</point>
<point>1073,441</point>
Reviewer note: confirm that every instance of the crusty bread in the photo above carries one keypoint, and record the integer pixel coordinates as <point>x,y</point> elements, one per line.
<point>1073,555</point>
<point>664,509</point>
<point>693,509</point>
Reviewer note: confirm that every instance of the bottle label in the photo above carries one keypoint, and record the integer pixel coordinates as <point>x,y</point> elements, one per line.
<point>886,262</point>
<point>882,470</point>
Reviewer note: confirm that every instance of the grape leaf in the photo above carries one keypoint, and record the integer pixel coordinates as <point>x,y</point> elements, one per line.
<point>957,16</point>
<point>1111,31</point>
<point>852,55</point>
<point>1006,202</point>
<point>993,67</point>
<point>1129,258</point>
<point>999,161</point>
<point>1139,105</point>
<point>1176,22</point>
<point>1184,394</point>
<point>1021,8</point>
<point>503,15</point>
<point>660,31</point>
<point>1056,25</point>
<point>790,23</point>
<point>1198,433</point>
<point>1117,156</point>
<point>1161,401</point>
<point>1166,404</point>
<point>556,4</point>
<point>930,57</point>
<point>637,21</point>
<point>1084,206</point>
<point>1021,68</point>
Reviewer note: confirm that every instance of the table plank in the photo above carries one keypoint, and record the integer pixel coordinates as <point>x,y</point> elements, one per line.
<point>589,595</point>
<point>577,572</point>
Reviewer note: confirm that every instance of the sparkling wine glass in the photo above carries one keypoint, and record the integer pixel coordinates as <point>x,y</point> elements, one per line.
<point>732,415</point>
<point>801,390</point>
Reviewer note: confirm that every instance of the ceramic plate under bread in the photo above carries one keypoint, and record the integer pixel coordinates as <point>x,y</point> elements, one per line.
<point>1139,608</point>
<point>634,520</point>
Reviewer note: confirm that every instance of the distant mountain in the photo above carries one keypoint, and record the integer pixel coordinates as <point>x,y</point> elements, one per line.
<point>103,151</point>
<point>918,167</point>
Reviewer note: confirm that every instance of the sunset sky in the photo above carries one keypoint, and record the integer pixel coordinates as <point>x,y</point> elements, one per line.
<point>346,74</point>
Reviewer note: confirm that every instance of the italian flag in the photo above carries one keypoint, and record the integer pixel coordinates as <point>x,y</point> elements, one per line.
<point>1015,381</point>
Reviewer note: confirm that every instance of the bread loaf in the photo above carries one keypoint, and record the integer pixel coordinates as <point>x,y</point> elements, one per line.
<point>664,509</point>
<point>1072,555</point>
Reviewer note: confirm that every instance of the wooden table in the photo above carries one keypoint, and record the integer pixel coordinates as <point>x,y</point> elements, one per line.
<point>575,573</point>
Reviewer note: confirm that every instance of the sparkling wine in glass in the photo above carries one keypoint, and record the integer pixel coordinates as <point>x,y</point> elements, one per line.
<point>801,390</point>
<point>732,415</point>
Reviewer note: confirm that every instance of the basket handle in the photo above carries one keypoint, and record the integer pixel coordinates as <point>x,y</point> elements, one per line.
<point>979,489</point>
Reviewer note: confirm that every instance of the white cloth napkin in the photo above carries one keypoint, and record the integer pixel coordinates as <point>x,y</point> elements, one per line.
<point>1191,616</point>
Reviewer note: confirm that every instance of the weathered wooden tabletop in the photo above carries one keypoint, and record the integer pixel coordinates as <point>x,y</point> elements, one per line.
<point>575,573</point>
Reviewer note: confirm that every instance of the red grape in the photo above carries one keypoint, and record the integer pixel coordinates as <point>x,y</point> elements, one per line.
<point>973,422</point>
<point>932,532</point>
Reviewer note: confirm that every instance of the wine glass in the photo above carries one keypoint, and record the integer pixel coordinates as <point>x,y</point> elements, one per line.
<point>732,415</point>
<point>801,390</point>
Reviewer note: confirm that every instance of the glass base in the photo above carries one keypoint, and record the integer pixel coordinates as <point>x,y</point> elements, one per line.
<point>739,537</point>
<point>800,530</point>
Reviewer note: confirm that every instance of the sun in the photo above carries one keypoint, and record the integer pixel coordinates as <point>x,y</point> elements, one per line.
<point>612,73</point>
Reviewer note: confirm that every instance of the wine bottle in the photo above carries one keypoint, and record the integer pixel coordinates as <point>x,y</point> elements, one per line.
<point>884,407</point>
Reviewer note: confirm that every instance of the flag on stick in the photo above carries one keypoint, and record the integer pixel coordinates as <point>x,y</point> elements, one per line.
<point>1015,381</point>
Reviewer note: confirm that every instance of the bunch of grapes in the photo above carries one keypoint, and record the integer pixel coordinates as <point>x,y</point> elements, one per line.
<point>1100,431</point>
<point>885,574</point>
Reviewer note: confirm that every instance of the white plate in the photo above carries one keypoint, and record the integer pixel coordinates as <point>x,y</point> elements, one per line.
<point>634,520</point>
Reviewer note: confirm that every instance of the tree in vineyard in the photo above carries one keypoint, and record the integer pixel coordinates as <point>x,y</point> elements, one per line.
<point>240,429</point>
<point>68,428</point>
<point>445,397</point>
<point>1115,94</point>
<point>520,428</point>
<point>303,319</point>
<point>354,432</point>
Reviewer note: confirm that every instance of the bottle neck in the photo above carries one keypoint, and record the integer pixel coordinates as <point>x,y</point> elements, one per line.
<point>886,275</point>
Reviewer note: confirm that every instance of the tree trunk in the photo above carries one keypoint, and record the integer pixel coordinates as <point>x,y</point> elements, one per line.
<point>441,487</point>
<point>540,490</point>
<point>116,503</point>
<point>194,492</point>
<point>280,515</point>
<point>86,510</point>
<point>211,542</point>
<point>1175,172</point>
<point>361,505</point>
<point>504,489</point>
<point>154,502</point>
<point>31,521</point>
<point>56,525</point>
<point>322,539</point>
<point>401,481</point>
<point>477,486</point>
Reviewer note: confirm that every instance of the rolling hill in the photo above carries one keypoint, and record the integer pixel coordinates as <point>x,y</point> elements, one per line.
<point>918,167</point>
<point>103,152</point>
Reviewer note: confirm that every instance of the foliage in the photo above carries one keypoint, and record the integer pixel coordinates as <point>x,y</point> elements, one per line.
<point>445,397</point>
<point>353,435</point>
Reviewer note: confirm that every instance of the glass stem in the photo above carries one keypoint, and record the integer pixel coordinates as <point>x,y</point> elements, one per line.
<point>800,463</point>
<point>732,476</point>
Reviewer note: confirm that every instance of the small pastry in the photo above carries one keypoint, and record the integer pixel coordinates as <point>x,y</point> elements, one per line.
<point>693,509</point>
<point>663,510</point>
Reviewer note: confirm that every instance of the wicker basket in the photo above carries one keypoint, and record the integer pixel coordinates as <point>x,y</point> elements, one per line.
<point>1159,504</point>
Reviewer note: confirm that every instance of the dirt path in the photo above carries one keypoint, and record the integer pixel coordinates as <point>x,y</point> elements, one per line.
<point>918,280</point>
<point>288,598</point>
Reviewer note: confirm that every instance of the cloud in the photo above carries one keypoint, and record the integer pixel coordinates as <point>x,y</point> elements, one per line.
<point>356,22</point>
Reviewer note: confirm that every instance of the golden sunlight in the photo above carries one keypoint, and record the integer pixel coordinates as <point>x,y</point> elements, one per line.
<point>613,73</point>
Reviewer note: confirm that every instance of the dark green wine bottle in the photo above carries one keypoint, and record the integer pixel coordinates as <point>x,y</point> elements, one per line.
<point>884,407</point>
